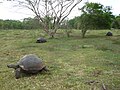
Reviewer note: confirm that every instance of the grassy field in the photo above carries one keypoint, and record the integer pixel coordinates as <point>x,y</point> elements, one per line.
<point>92,63</point>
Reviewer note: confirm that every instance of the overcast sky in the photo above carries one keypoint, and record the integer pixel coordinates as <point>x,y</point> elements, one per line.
<point>7,11</point>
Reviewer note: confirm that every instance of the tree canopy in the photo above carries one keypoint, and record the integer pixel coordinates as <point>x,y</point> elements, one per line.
<point>97,16</point>
<point>94,16</point>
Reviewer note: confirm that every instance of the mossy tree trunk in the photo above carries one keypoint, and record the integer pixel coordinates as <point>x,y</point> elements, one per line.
<point>83,32</point>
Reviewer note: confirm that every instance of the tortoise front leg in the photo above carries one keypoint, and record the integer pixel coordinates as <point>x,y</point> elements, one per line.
<point>17,73</point>
<point>15,66</point>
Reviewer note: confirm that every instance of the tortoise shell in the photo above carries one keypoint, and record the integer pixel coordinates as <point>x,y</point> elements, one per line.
<point>31,63</point>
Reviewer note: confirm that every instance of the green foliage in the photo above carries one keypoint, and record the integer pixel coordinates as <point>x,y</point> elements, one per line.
<point>96,16</point>
<point>92,8</point>
<point>27,23</point>
<point>71,22</point>
<point>10,24</point>
<point>74,23</point>
<point>116,23</point>
<point>31,23</point>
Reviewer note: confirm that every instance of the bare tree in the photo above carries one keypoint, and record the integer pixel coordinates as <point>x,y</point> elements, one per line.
<point>50,12</point>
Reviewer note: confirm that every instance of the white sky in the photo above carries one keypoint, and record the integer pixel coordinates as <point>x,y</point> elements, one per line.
<point>7,11</point>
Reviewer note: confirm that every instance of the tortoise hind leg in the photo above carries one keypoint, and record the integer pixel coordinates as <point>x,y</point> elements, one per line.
<point>17,73</point>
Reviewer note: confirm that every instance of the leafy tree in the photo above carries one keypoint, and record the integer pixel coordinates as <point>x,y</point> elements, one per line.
<point>71,22</point>
<point>74,23</point>
<point>95,16</point>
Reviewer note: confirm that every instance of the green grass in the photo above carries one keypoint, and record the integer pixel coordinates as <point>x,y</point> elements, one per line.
<point>73,62</point>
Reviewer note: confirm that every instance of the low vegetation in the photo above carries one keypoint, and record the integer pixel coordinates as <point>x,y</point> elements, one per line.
<point>92,63</point>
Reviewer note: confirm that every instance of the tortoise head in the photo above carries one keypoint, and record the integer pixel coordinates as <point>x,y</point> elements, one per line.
<point>15,66</point>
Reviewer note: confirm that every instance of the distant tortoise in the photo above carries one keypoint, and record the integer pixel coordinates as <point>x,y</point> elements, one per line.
<point>109,34</point>
<point>41,40</point>
<point>28,64</point>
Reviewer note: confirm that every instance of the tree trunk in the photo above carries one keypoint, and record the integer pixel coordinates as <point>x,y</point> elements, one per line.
<point>68,33</point>
<point>52,33</point>
<point>83,33</point>
<point>52,36</point>
<point>54,30</point>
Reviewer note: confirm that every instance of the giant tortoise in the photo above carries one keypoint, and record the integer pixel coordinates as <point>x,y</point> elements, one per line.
<point>28,64</point>
<point>41,40</point>
<point>109,34</point>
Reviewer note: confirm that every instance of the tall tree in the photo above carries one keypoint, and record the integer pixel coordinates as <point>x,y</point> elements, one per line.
<point>54,11</point>
<point>95,16</point>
